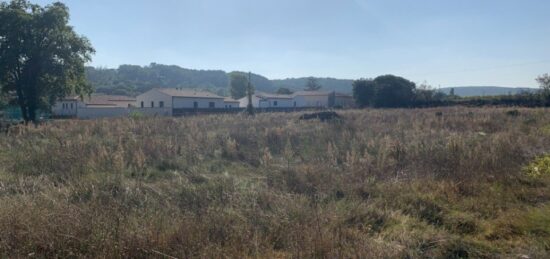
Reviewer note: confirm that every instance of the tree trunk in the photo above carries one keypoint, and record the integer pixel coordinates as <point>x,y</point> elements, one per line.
<point>22,104</point>
<point>32,113</point>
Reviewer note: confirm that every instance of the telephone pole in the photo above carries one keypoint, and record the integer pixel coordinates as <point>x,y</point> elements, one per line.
<point>249,90</point>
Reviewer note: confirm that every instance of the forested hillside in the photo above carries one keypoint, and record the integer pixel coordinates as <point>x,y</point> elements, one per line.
<point>133,80</point>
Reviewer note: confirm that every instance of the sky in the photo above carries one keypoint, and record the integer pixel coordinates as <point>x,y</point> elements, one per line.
<point>440,42</point>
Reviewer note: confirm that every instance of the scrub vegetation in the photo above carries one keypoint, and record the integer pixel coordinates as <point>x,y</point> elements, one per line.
<point>450,182</point>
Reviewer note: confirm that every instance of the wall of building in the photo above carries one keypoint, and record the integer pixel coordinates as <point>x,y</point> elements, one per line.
<point>244,101</point>
<point>277,103</point>
<point>202,103</point>
<point>65,108</point>
<point>231,105</point>
<point>125,104</point>
<point>153,96</point>
<point>311,100</point>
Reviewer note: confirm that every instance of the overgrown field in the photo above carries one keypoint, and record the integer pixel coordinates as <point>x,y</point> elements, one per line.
<point>453,182</point>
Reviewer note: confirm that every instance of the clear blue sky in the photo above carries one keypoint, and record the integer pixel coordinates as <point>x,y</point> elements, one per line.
<point>443,42</point>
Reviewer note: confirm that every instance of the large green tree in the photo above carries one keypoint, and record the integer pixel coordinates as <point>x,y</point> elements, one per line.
<point>364,92</point>
<point>284,90</point>
<point>386,91</point>
<point>41,57</point>
<point>393,91</point>
<point>238,83</point>
<point>544,82</point>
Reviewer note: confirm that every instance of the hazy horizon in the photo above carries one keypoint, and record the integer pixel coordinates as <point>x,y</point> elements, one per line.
<point>465,43</point>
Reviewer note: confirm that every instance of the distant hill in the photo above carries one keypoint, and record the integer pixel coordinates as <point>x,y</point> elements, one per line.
<point>328,84</point>
<point>134,80</point>
<point>468,91</point>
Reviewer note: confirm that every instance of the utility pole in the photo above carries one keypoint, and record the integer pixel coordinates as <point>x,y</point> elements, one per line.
<point>249,90</point>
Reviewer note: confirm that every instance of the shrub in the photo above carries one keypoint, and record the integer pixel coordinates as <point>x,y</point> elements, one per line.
<point>539,167</point>
<point>513,113</point>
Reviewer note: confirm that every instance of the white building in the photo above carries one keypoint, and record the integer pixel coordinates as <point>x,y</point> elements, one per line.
<point>173,98</point>
<point>93,106</point>
<point>266,100</point>
<point>303,99</point>
<point>230,103</point>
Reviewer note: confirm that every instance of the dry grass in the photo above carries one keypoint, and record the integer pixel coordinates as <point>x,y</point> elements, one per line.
<point>383,183</point>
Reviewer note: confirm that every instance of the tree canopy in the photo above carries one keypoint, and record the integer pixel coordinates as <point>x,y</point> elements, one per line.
<point>284,90</point>
<point>41,57</point>
<point>364,92</point>
<point>544,83</point>
<point>312,84</point>
<point>238,84</point>
<point>386,91</point>
<point>393,91</point>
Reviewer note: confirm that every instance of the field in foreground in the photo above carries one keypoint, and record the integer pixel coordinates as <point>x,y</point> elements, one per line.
<point>452,182</point>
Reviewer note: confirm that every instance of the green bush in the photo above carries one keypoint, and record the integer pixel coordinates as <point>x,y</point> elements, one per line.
<point>538,168</point>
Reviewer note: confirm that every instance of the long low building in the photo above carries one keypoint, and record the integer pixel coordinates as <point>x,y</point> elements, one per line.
<point>300,99</point>
<point>87,106</point>
<point>177,101</point>
<point>175,98</point>
<point>267,100</point>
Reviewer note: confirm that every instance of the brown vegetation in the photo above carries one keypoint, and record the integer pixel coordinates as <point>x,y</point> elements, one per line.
<point>378,183</point>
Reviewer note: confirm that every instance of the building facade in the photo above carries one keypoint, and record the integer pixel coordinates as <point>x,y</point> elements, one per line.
<point>93,106</point>
<point>313,99</point>
<point>174,98</point>
<point>266,100</point>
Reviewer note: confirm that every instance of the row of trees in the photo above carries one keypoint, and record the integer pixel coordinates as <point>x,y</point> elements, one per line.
<point>391,91</point>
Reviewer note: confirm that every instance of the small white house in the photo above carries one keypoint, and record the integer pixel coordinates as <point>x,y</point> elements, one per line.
<point>175,98</point>
<point>266,100</point>
<point>303,99</point>
<point>66,107</point>
<point>93,106</point>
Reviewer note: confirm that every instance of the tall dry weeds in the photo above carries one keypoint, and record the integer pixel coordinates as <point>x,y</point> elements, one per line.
<point>380,183</point>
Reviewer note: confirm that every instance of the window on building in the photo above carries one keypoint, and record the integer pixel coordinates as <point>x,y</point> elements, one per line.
<point>71,106</point>
<point>152,104</point>
<point>142,104</point>
<point>274,103</point>
<point>161,104</point>
<point>294,104</point>
<point>195,105</point>
<point>211,105</point>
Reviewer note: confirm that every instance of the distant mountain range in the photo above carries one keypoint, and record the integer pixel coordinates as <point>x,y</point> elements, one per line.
<point>469,91</point>
<point>133,80</point>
